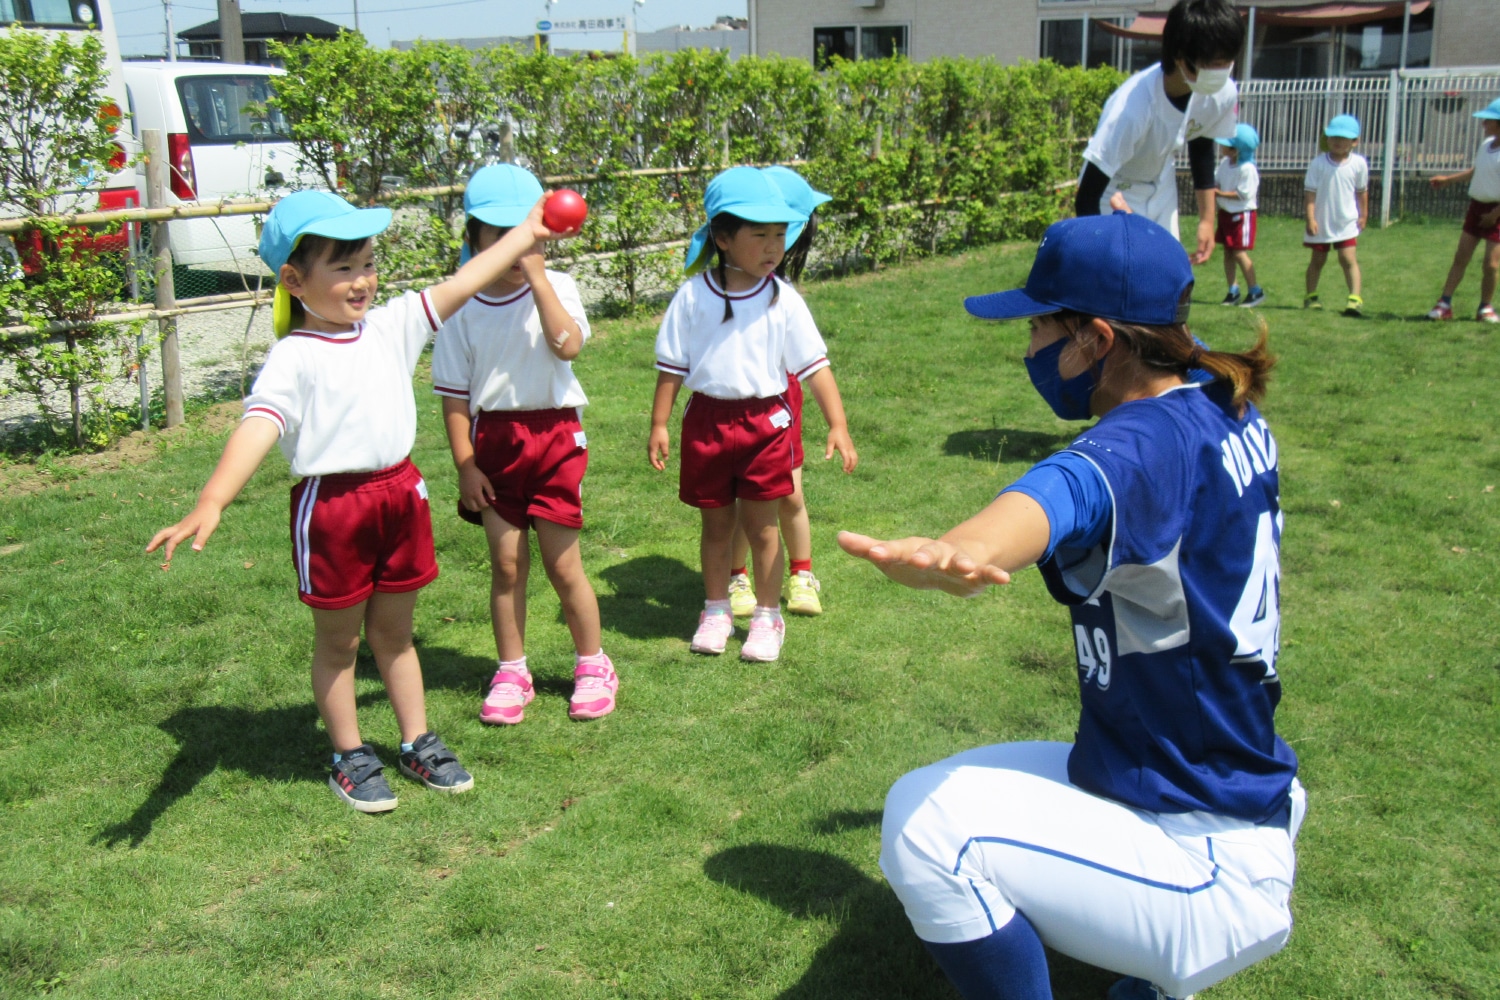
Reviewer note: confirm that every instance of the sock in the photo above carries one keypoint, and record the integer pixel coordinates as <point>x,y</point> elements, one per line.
<point>1254,289</point>
<point>1008,965</point>
<point>406,747</point>
<point>337,757</point>
<point>597,659</point>
<point>1234,289</point>
<point>1446,300</point>
<point>796,566</point>
<point>717,607</point>
<point>515,666</point>
<point>772,613</point>
<point>739,571</point>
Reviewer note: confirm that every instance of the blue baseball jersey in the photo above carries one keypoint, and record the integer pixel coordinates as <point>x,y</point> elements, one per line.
<point>1176,610</point>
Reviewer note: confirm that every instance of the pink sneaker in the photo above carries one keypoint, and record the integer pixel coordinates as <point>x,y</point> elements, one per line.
<point>714,630</point>
<point>594,685</point>
<point>763,645</point>
<point>510,693</point>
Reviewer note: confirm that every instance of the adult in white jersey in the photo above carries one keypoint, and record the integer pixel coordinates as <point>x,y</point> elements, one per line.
<point>1187,97</point>
<point>1159,843</point>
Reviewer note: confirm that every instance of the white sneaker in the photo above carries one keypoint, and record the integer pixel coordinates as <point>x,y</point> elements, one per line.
<point>763,645</point>
<point>714,630</point>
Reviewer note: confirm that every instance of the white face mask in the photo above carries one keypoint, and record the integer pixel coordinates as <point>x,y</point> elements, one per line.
<point>1209,81</point>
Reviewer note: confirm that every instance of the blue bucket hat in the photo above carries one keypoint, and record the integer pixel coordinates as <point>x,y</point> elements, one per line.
<point>743,191</point>
<point>1343,127</point>
<point>501,195</point>
<point>1122,267</point>
<point>1245,142</point>
<point>1492,112</point>
<point>799,194</point>
<point>319,213</point>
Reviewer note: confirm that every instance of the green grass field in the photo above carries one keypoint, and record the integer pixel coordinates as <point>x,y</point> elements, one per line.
<point>168,830</point>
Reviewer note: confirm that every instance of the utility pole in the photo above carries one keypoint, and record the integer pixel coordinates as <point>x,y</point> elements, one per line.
<point>171,32</point>
<point>231,32</point>
<point>356,15</point>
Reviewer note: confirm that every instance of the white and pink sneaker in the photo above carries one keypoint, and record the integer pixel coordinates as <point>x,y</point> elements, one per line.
<point>767,633</point>
<point>510,693</point>
<point>594,685</point>
<point>714,630</point>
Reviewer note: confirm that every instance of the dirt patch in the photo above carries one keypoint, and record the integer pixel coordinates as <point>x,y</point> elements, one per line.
<point>23,478</point>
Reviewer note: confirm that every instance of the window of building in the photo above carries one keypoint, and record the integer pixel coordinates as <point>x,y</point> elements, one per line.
<point>1081,42</point>
<point>1375,46</point>
<point>1062,41</point>
<point>859,42</point>
<point>830,42</point>
<point>882,42</point>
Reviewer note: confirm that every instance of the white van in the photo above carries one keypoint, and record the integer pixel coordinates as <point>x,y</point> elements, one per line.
<point>223,141</point>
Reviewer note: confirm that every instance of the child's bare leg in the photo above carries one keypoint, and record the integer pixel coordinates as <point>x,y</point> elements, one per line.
<point>1351,269</point>
<point>795,527</point>
<point>1229,261</point>
<point>510,562</point>
<point>1243,260</point>
<point>1461,256</point>
<point>335,645</point>
<point>713,550</point>
<point>1491,272</point>
<point>739,546</point>
<point>1315,267</point>
<point>758,517</point>
<point>388,634</point>
<point>564,565</point>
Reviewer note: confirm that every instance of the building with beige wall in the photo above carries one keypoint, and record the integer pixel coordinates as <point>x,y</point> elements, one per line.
<point>1293,38</point>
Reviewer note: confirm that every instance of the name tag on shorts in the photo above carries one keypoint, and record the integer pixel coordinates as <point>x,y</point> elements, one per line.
<point>421,488</point>
<point>780,419</point>
<point>580,439</point>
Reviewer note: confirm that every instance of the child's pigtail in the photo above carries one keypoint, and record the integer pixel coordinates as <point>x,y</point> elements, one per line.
<point>724,287</point>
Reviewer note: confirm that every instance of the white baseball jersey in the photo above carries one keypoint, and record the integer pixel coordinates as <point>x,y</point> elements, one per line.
<point>344,401</point>
<point>1138,136</point>
<point>1241,178</point>
<point>494,354</point>
<point>1336,209</point>
<point>1485,184</point>
<point>747,356</point>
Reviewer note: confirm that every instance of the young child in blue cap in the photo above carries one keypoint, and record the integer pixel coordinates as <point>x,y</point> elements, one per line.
<point>503,365</point>
<point>1159,843</point>
<point>1481,221</point>
<point>731,334</point>
<point>335,393</point>
<point>1337,200</point>
<point>802,588</point>
<point>1237,183</point>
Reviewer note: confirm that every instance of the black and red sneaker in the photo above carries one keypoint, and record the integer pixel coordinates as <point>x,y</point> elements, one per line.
<point>356,779</point>
<point>431,762</point>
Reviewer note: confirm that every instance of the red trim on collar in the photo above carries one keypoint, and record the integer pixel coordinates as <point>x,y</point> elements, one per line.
<point>504,302</point>
<point>738,298</point>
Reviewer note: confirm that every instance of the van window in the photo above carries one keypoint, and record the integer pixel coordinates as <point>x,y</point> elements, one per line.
<point>230,109</point>
<point>49,13</point>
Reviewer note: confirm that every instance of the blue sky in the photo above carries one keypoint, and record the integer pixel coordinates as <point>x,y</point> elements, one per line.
<point>140,22</point>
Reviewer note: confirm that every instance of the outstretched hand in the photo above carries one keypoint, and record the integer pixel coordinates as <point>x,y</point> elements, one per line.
<point>925,564</point>
<point>199,525</point>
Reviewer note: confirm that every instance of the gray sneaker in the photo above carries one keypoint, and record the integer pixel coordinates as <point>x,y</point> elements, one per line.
<point>356,779</point>
<point>431,762</point>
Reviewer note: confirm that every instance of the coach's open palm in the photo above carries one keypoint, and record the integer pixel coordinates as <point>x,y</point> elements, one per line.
<point>925,564</point>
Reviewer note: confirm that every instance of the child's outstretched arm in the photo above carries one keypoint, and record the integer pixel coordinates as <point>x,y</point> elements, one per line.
<point>448,297</point>
<point>1009,534</point>
<point>564,335</point>
<point>1442,180</point>
<point>826,391</point>
<point>658,445</point>
<point>251,441</point>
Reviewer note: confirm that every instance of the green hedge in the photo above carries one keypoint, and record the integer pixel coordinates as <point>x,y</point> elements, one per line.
<point>965,150</point>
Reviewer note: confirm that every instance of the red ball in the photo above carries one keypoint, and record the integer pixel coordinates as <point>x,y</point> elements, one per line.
<point>564,211</point>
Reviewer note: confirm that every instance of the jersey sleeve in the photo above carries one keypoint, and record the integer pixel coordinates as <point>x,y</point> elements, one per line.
<point>805,353</point>
<point>452,359</point>
<point>278,392</point>
<point>1075,498</point>
<point>671,339</point>
<point>1121,128</point>
<point>567,293</point>
<point>1225,113</point>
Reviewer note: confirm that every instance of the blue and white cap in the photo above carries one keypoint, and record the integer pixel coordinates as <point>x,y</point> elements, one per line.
<point>501,195</point>
<point>1342,127</point>
<point>320,213</point>
<point>746,192</point>
<point>1122,267</point>
<point>1492,112</point>
<point>799,194</point>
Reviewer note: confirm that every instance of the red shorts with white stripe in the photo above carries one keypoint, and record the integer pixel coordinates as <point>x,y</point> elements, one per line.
<point>1325,247</point>
<point>794,402</point>
<point>735,449</point>
<point>535,460</point>
<point>1475,227</point>
<point>358,532</point>
<point>1237,231</point>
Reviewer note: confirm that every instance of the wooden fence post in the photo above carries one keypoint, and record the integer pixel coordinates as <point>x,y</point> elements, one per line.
<point>166,293</point>
<point>507,143</point>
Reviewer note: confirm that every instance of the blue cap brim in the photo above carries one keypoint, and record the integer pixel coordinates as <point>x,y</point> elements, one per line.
<point>1489,115</point>
<point>501,216</point>
<point>794,231</point>
<point>697,251</point>
<point>1014,304</point>
<point>360,224</point>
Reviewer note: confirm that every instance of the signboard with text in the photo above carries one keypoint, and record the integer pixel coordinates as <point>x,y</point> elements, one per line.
<point>584,24</point>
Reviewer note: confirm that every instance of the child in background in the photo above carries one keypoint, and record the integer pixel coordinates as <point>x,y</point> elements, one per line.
<point>336,394</point>
<point>731,334</point>
<point>1338,204</point>
<point>801,587</point>
<point>1237,182</point>
<point>1481,222</point>
<point>511,405</point>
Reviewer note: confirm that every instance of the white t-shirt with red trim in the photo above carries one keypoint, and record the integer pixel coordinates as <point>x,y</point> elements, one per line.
<point>344,401</point>
<point>1336,186</point>
<point>747,356</point>
<point>494,354</point>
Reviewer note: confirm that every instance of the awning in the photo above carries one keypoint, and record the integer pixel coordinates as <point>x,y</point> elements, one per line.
<point>1147,27</point>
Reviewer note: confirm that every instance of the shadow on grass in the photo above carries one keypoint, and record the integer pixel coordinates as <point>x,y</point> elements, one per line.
<point>1000,445</point>
<point>874,952</point>
<point>654,597</point>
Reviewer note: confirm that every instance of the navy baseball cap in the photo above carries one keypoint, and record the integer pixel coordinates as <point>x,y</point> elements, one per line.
<point>1122,267</point>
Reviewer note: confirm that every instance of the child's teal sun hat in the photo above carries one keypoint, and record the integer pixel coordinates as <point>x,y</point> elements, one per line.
<point>501,195</point>
<point>743,191</point>
<point>1245,142</point>
<point>799,194</point>
<point>1492,112</point>
<point>319,213</point>
<point>1342,127</point>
